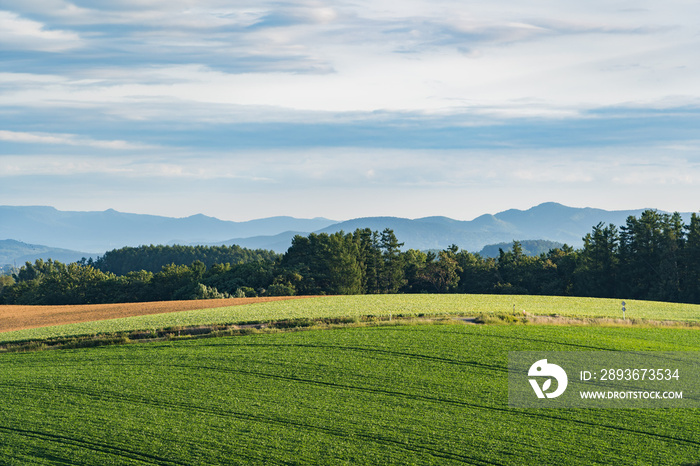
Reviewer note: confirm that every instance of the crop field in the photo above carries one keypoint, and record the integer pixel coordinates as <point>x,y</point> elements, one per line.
<point>405,394</point>
<point>351,306</point>
<point>26,317</point>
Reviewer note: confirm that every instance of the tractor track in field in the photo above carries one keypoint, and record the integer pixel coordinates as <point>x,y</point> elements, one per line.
<point>94,446</point>
<point>408,395</point>
<point>189,408</point>
<point>540,340</point>
<point>423,357</point>
<point>455,403</point>
<point>424,398</point>
<point>186,407</point>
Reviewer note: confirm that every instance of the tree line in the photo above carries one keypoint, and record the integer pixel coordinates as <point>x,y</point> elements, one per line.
<point>154,258</point>
<point>653,257</point>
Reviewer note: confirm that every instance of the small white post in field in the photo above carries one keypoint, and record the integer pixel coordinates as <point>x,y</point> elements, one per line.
<point>623,310</point>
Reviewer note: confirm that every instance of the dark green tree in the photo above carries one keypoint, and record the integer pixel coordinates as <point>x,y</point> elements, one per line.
<point>441,273</point>
<point>598,263</point>
<point>649,250</point>
<point>479,275</point>
<point>327,264</point>
<point>691,262</point>
<point>369,258</point>
<point>391,274</point>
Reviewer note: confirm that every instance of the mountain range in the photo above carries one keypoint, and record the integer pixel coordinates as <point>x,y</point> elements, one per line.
<point>102,231</point>
<point>16,253</point>
<point>98,232</point>
<point>549,221</point>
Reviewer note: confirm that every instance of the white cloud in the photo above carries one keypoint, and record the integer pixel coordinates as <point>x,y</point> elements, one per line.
<point>12,166</point>
<point>68,139</point>
<point>546,59</point>
<point>25,34</point>
<point>187,72</point>
<point>350,182</point>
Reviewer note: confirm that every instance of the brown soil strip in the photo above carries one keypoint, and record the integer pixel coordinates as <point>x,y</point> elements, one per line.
<point>24,317</point>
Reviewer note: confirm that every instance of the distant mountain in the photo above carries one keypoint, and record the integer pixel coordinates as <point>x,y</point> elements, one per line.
<point>557,222</point>
<point>102,231</point>
<point>431,232</point>
<point>530,247</point>
<point>17,253</point>
<point>278,243</point>
<point>549,221</point>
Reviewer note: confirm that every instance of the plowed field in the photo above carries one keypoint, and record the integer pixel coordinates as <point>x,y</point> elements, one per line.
<point>25,317</point>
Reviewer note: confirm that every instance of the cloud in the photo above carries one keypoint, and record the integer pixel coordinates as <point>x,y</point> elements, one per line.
<point>410,102</point>
<point>452,56</point>
<point>69,140</point>
<point>20,33</point>
<point>254,183</point>
<point>215,34</point>
<point>164,124</point>
<point>297,15</point>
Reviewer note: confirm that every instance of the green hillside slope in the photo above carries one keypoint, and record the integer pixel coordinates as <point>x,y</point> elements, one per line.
<point>376,305</point>
<point>424,394</point>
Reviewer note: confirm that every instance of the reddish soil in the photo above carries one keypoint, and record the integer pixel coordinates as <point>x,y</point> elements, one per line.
<point>23,317</point>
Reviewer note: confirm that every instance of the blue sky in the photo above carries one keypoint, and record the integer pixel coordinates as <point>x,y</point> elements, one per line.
<point>243,110</point>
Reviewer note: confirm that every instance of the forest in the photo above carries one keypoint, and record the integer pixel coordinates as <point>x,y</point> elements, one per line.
<point>653,257</point>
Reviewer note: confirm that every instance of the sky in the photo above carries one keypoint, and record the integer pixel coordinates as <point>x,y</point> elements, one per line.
<point>346,109</point>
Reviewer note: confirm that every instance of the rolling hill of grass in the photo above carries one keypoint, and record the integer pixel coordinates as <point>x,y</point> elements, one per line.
<point>410,394</point>
<point>377,305</point>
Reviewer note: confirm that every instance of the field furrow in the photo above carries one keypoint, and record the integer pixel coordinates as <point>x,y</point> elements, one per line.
<point>73,442</point>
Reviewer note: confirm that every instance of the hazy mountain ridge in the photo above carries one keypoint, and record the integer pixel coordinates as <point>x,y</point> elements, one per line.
<point>99,232</point>
<point>102,231</point>
<point>529,247</point>
<point>549,221</point>
<point>16,253</point>
<point>279,243</point>
<point>427,233</point>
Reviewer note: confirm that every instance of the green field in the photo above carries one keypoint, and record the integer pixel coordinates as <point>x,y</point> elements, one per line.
<point>393,394</point>
<point>378,305</point>
<point>421,394</point>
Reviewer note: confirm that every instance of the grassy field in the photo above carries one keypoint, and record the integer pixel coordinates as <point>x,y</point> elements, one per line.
<point>408,394</point>
<point>355,306</point>
<point>393,394</point>
<point>14,317</point>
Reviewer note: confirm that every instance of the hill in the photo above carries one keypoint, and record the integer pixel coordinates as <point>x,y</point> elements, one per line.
<point>15,252</point>
<point>278,243</point>
<point>102,231</point>
<point>333,307</point>
<point>394,395</point>
<point>530,247</point>
<point>549,221</point>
